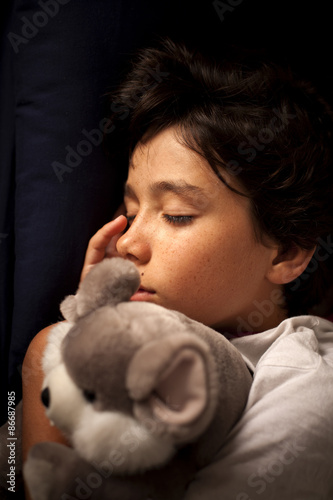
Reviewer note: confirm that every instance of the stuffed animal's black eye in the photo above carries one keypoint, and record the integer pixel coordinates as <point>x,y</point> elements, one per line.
<point>90,396</point>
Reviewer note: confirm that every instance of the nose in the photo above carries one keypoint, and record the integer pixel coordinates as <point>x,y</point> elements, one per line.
<point>45,397</point>
<point>135,243</point>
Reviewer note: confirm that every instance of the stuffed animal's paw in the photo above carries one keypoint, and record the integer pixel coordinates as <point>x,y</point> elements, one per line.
<point>37,475</point>
<point>53,471</point>
<point>56,472</point>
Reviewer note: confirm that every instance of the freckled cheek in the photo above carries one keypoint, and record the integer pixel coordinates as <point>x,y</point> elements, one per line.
<point>222,267</point>
<point>194,270</point>
<point>176,265</point>
<point>206,257</point>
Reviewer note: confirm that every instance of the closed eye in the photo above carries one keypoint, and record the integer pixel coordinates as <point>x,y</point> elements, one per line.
<point>180,220</point>
<point>177,220</point>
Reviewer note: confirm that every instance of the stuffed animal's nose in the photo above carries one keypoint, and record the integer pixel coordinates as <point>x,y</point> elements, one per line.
<point>45,397</point>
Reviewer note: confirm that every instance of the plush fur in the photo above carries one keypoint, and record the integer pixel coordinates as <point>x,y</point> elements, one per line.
<point>145,395</point>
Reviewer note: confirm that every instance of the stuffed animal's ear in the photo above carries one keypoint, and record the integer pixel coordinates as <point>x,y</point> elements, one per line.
<point>173,382</point>
<point>68,308</point>
<point>108,283</point>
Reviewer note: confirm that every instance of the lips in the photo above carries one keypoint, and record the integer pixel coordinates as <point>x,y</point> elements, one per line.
<point>143,294</point>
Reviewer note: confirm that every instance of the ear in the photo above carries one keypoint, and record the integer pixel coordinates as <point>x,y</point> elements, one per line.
<point>68,308</point>
<point>173,382</point>
<point>289,264</point>
<point>109,282</point>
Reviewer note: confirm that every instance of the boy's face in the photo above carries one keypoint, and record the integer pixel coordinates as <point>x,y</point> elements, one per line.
<point>192,238</point>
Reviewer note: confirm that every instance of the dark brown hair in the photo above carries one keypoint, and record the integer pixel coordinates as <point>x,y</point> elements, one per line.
<point>254,119</point>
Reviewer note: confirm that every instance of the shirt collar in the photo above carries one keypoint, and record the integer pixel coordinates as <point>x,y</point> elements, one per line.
<point>253,347</point>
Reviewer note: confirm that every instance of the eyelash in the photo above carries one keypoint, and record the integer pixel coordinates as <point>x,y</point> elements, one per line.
<point>177,220</point>
<point>130,219</point>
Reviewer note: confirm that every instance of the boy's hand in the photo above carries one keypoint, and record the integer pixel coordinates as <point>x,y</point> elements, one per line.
<point>103,243</point>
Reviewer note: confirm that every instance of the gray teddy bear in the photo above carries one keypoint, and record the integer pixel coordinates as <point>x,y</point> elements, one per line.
<point>145,395</point>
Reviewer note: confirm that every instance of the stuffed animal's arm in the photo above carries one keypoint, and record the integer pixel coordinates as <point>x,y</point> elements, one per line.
<point>54,472</point>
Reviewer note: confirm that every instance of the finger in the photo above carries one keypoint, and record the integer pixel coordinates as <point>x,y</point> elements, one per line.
<point>96,250</point>
<point>121,210</point>
<point>102,238</point>
<point>111,249</point>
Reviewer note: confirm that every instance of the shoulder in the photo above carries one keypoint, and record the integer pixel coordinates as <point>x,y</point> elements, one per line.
<point>303,343</point>
<point>35,425</point>
<point>297,341</point>
<point>293,378</point>
<point>293,383</point>
<point>284,435</point>
<point>38,346</point>
<point>296,359</point>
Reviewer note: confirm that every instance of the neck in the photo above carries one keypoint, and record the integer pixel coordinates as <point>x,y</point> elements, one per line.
<point>262,317</point>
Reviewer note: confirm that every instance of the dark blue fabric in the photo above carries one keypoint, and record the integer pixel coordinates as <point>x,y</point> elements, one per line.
<point>6,209</point>
<point>58,60</point>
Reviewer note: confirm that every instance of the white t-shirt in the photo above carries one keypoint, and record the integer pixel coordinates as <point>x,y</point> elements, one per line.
<point>282,447</point>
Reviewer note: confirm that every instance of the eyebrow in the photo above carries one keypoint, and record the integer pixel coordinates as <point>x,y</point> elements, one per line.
<point>189,192</point>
